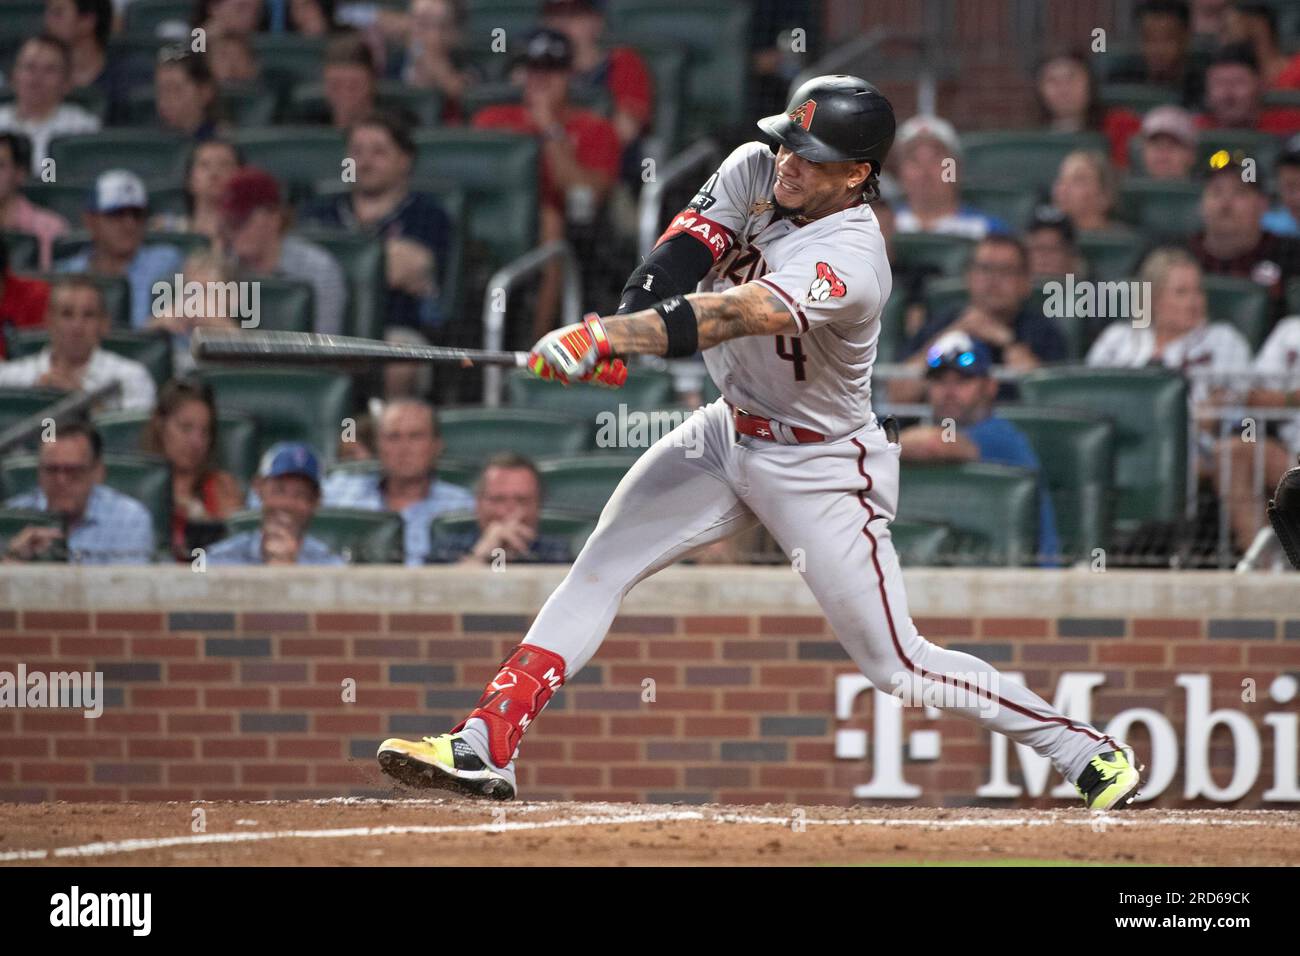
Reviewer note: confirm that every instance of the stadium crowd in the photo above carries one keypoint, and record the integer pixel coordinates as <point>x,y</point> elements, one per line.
<point>364,167</point>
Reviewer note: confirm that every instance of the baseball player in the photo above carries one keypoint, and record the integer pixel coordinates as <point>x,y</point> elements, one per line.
<point>789,270</point>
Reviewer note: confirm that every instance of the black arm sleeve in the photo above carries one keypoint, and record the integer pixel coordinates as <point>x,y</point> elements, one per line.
<point>673,268</point>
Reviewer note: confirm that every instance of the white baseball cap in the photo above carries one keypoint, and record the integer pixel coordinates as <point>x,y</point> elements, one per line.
<point>118,189</point>
<point>935,127</point>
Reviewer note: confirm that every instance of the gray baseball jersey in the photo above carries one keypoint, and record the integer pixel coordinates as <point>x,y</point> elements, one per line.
<point>833,276</point>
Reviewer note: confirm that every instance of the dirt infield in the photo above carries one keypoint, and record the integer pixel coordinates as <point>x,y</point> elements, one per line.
<point>455,832</point>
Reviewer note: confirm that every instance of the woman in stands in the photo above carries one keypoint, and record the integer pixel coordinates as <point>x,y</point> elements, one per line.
<point>1068,102</point>
<point>1085,191</point>
<point>208,168</point>
<point>183,430</point>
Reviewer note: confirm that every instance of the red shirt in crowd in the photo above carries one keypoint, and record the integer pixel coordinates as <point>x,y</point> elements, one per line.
<point>1282,120</point>
<point>22,304</point>
<point>595,143</point>
<point>628,80</point>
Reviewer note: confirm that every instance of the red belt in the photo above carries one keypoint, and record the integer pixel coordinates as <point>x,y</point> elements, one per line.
<point>767,429</point>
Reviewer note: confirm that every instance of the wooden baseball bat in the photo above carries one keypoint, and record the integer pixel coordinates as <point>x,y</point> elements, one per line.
<point>312,348</point>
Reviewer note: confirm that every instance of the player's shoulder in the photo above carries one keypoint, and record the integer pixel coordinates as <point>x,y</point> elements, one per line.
<point>751,157</point>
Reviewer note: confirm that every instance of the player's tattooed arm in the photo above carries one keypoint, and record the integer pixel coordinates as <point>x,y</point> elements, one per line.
<point>749,309</point>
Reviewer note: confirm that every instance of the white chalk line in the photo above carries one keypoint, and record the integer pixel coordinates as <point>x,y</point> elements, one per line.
<point>112,847</point>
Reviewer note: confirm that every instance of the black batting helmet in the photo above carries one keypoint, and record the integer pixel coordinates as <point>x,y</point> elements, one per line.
<point>835,119</point>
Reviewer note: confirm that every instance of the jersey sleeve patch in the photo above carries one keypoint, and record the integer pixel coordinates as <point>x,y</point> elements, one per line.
<point>826,285</point>
<point>716,237</point>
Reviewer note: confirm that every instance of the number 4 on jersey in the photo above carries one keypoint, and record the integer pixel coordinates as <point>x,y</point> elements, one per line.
<point>793,354</point>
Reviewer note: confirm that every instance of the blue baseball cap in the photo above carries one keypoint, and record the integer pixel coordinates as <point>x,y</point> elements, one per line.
<point>290,458</point>
<point>958,351</point>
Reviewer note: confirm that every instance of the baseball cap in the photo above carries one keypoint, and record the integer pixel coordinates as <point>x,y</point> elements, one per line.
<point>117,189</point>
<point>290,458</point>
<point>547,49</point>
<point>958,350</point>
<point>1224,162</point>
<point>248,189</point>
<point>1049,217</point>
<point>936,127</point>
<point>1170,121</point>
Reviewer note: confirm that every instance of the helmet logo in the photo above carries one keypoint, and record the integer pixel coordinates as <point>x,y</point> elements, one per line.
<point>827,284</point>
<point>802,114</point>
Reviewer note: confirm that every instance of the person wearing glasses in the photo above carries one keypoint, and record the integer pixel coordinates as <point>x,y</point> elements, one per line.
<point>97,525</point>
<point>961,394</point>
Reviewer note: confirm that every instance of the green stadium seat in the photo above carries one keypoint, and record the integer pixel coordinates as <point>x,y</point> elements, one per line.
<point>23,18</point>
<point>236,438</point>
<point>892,331</point>
<point>23,249</point>
<point>360,536</point>
<point>1014,205</point>
<point>1113,254</point>
<point>992,510</point>
<point>709,391</point>
<point>498,172</point>
<point>646,388</point>
<point>926,250</point>
<point>14,520</point>
<point>77,240</point>
<point>286,305</point>
<point>1138,97</point>
<point>146,478</point>
<point>361,257</point>
<point>582,483</point>
<point>1026,159</point>
<point>1149,411</point>
<point>18,404</point>
<point>944,296</point>
<point>1287,99</point>
<point>921,543</point>
<point>144,17</point>
<point>244,105</point>
<point>561,524</point>
<point>1263,148</point>
<point>307,102</point>
<point>153,350</point>
<point>149,153</point>
<point>1161,208</point>
<point>66,199</point>
<point>288,404</point>
<point>717,73</point>
<point>296,155</point>
<point>475,434</point>
<point>289,57</point>
<point>1243,303</point>
<point>458,472</point>
<point>1077,455</point>
<point>116,293</point>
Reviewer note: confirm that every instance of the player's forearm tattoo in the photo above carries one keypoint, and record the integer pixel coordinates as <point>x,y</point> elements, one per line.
<point>746,310</point>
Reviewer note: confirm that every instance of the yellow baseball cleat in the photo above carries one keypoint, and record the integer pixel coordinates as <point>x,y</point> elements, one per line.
<point>446,762</point>
<point>1109,781</point>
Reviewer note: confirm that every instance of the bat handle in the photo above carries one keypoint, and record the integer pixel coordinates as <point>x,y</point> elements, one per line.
<point>521,360</point>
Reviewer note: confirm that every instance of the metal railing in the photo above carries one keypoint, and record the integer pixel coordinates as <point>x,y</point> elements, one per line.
<point>73,405</point>
<point>496,297</point>
<point>704,152</point>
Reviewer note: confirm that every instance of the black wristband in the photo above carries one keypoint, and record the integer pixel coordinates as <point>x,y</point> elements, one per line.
<point>680,325</point>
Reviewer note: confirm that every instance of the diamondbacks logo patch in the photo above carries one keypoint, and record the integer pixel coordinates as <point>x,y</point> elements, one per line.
<point>803,113</point>
<point>827,285</point>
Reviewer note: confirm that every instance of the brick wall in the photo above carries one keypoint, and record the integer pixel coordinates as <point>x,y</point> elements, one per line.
<point>231,687</point>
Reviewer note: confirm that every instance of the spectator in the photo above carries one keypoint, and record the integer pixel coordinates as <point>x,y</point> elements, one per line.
<point>1284,218</point>
<point>208,169</point>
<point>1164,42</point>
<point>1177,335</point>
<point>84,27</point>
<point>961,392</point>
<point>358,445</point>
<point>41,79</point>
<point>998,313</point>
<point>233,61</point>
<point>17,212</point>
<point>580,158</point>
<point>97,524</point>
<point>23,302</point>
<point>288,486</point>
<point>620,70</point>
<point>1050,241</point>
<point>215,273</point>
<point>1276,385</point>
<point>435,57</point>
<point>186,93</point>
<point>1168,143</point>
<point>1232,243</point>
<point>1085,191</point>
<point>407,481</point>
<point>775,55</point>
<point>1207,19</point>
<point>928,153</point>
<point>311,18</point>
<point>1255,25</point>
<point>254,221</point>
<point>183,430</point>
<point>350,80</point>
<point>1068,103</point>
<point>226,17</point>
<point>1234,95</point>
<point>508,507</point>
<point>115,218</point>
<point>74,360</point>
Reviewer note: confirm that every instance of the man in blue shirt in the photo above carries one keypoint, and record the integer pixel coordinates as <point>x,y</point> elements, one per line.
<point>960,389</point>
<point>407,479</point>
<point>115,216</point>
<point>288,485</point>
<point>97,524</point>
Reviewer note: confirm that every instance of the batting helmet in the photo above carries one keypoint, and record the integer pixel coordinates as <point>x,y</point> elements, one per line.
<point>835,119</point>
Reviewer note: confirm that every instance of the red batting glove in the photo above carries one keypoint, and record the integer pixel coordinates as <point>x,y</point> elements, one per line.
<point>577,353</point>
